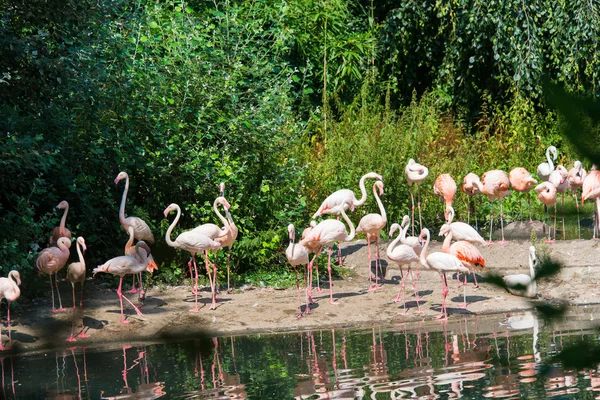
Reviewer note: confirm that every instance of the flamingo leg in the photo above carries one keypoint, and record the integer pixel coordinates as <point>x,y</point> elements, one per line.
<point>61,309</point>
<point>491,223</point>
<point>9,334</point>
<point>554,221</point>
<point>228,259</point>
<point>563,215</point>
<point>195,309</point>
<point>330,279</point>
<point>468,211</point>
<point>369,264</point>
<point>81,295</point>
<point>82,334</point>
<point>52,291</point>
<point>397,299</point>
<point>194,290</point>
<point>419,206</point>
<point>316,266</point>
<point>378,260</point>
<point>72,337</point>
<point>464,304</point>
<point>133,289</point>
<point>502,223</point>
<point>548,240</point>
<point>123,320</point>
<point>475,279</point>
<point>475,211</point>
<point>414,284</point>
<point>130,303</point>
<point>444,314</point>
<point>578,221</point>
<point>299,313</point>
<point>213,305</point>
<point>412,200</point>
<point>529,207</point>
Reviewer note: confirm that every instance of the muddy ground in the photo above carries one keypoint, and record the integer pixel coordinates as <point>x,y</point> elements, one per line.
<point>268,310</point>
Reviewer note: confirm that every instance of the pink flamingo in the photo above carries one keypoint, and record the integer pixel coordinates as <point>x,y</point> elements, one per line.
<point>576,177</point>
<point>76,274</point>
<point>471,187</point>
<point>547,195</point>
<point>315,249</point>
<point>326,233</point>
<point>469,256</point>
<point>495,185</point>
<point>9,290</point>
<point>591,190</point>
<point>403,254</point>
<point>371,225</point>
<point>140,227</point>
<point>130,251</point>
<point>442,263</point>
<point>545,169</point>
<point>462,231</point>
<point>61,230</point>
<point>412,241</point>
<point>193,242</point>
<point>231,237</point>
<point>415,174</point>
<point>126,265</point>
<point>50,261</point>
<point>558,178</point>
<point>522,181</point>
<point>297,254</point>
<point>445,188</point>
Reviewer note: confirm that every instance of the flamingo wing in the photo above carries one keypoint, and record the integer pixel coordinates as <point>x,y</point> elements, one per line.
<point>444,262</point>
<point>193,241</point>
<point>403,254</point>
<point>141,230</point>
<point>462,231</point>
<point>469,255</point>
<point>50,260</point>
<point>331,205</point>
<point>296,254</point>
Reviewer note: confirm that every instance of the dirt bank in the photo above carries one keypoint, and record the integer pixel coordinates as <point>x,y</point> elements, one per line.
<point>268,310</point>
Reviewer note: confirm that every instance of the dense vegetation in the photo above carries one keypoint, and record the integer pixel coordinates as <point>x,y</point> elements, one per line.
<point>284,101</point>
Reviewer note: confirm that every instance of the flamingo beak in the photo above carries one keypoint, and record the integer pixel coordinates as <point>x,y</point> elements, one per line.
<point>84,247</point>
<point>227,205</point>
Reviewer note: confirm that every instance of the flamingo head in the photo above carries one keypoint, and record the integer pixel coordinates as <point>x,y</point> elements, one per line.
<point>449,214</point>
<point>405,221</point>
<point>373,175</point>
<point>411,161</point>
<point>393,228</point>
<point>62,205</point>
<point>291,230</point>
<point>577,164</point>
<point>313,223</point>
<point>170,208</point>
<point>122,175</point>
<point>17,276</point>
<point>222,200</point>
<point>81,242</point>
<point>65,241</point>
<point>444,230</point>
<point>423,236</point>
<point>379,185</point>
<point>222,189</point>
<point>532,255</point>
<point>552,151</point>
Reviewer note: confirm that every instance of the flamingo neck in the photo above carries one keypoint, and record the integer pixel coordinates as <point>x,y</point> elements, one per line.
<point>219,215</point>
<point>63,220</point>
<point>13,279</point>
<point>63,249</point>
<point>352,231</point>
<point>392,246</point>
<point>363,193</point>
<point>403,230</point>
<point>532,274</point>
<point>380,204</point>
<point>446,244</point>
<point>550,162</point>
<point>79,252</point>
<point>123,200</point>
<point>168,234</point>
<point>130,241</point>
<point>423,256</point>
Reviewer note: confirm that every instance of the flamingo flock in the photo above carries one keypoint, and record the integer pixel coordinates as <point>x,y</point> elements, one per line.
<point>461,257</point>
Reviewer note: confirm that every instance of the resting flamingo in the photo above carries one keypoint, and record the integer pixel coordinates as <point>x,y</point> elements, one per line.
<point>545,169</point>
<point>468,255</point>
<point>442,263</point>
<point>231,237</point>
<point>371,225</point>
<point>76,274</point>
<point>471,187</point>
<point>495,186</point>
<point>297,254</point>
<point>9,290</point>
<point>193,242</point>
<point>523,284</point>
<point>576,177</point>
<point>50,261</point>
<point>126,265</point>
<point>558,178</point>
<point>415,174</point>
<point>445,188</point>
<point>522,181</point>
<point>403,254</point>
<point>591,190</point>
<point>462,231</point>
<point>61,230</point>
<point>547,195</point>
<point>326,233</point>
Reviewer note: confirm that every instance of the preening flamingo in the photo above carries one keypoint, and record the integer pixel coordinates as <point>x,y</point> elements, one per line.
<point>415,174</point>
<point>297,254</point>
<point>523,284</point>
<point>326,233</point>
<point>462,231</point>
<point>591,190</point>
<point>130,251</point>
<point>61,230</point>
<point>50,261</point>
<point>471,187</point>
<point>9,290</point>
<point>495,186</point>
<point>412,241</point>
<point>522,181</point>
<point>558,178</point>
<point>76,274</point>
<point>545,169</point>
<point>126,265</point>
<point>442,263</point>
<point>547,195</point>
<point>445,188</point>
<point>403,254</point>
<point>576,177</point>
<point>231,237</point>
<point>193,242</point>
<point>140,227</point>
<point>371,225</point>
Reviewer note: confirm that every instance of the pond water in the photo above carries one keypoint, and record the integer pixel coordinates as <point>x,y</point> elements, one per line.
<point>470,358</point>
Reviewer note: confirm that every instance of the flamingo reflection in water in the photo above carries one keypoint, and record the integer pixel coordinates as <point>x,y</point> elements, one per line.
<point>12,378</point>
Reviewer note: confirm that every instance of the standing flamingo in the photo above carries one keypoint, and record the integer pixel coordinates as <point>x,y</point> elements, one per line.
<point>545,169</point>
<point>471,187</point>
<point>462,231</point>
<point>314,248</point>
<point>442,263</point>
<point>76,274</point>
<point>445,188</point>
<point>130,251</point>
<point>523,284</point>
<point>126,265</point>
<point>522,181</point>
<point>495,186</point>
<point>415,174</point>
<point>371,225</point>
<point>547,195</point>
<point>9,290</point>
<point>50,261</point>
<point>558,178</point>
<point>297,254</point>
<point>61,230</point>
<point>326,233</point>
<point>591,190</point>
<point>576,177</point>
<point>403,254</point>
<point>468,255</point>
<point>193,242</point>
<point>412,241</point>
<point>231,237</point>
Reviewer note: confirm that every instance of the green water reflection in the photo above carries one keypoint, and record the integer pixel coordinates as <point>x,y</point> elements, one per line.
<point>470,358</point>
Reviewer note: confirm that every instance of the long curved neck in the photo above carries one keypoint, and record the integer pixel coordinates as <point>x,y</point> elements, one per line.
<point>446,244</point>
<point>380,204</point>
<point>403,231</point>
<point>423,256</point>
<point>63,220</point>
<point>550,162</point>
<point>123,200</point>
<point>63,248</point>
<point>130,241</point>
<point>229,219</point>
<point>363,192</point>
<point>392,246</point>
<point>81,259</point>
<point>352,231</point>
<point>532,274</point>
<point>168,235</point>
<point>219,215</point>
<point>12,279</point>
